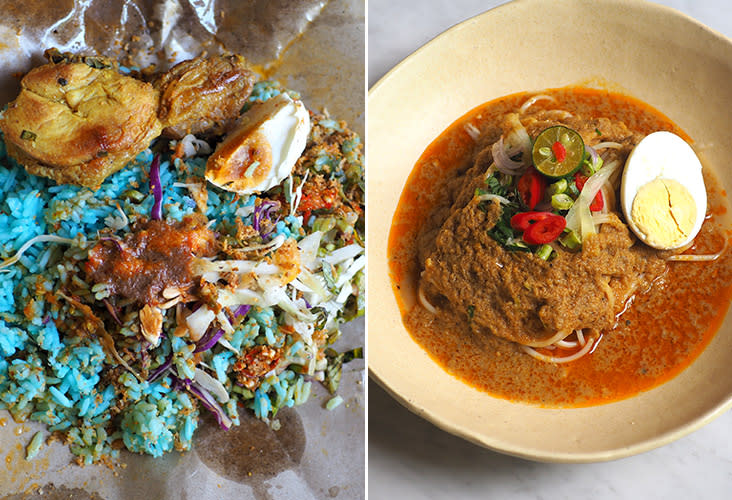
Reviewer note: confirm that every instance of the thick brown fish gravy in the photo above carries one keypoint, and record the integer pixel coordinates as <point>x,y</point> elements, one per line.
<point>252,452</point>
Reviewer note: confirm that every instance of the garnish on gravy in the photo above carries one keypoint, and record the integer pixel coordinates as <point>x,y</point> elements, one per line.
<point>504,262</point>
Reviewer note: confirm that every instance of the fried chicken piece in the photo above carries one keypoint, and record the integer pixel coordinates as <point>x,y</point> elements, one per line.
<point>203,96</point>
<point>77,122</point>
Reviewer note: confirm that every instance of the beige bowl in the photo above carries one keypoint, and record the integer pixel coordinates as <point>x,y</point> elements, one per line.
<point>650,52</point>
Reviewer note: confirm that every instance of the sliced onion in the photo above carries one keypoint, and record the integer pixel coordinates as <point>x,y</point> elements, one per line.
<point>157,189</point>
<point>503,162</point>
<point>212,385</point>
<point>112,311</point>
<point>530,102</point>
<point>579,217</point>
<point>595,158</point>
<point>343,254</point>
<point>309,250</point>
<point>262,212</point>
<point>355,267</point>
<point>490,196</point>
<point>242,310</point>
<point>211,405</point>
<point>518,138</point>
<point>117,242</point>
<point>472,131</point>
<point>199,321</point>
<point>608,144</point>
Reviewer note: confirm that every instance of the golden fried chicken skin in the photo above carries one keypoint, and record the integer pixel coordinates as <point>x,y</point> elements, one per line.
<point>203,96</point>
<point>78,124</point>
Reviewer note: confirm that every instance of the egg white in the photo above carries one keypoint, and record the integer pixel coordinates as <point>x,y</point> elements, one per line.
<point>663,155</point>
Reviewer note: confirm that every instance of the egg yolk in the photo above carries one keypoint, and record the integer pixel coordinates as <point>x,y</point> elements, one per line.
<point>664,211</point>
<point>242,160</point>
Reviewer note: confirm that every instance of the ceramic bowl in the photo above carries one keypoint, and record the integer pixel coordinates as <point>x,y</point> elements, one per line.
<point>644,50</point>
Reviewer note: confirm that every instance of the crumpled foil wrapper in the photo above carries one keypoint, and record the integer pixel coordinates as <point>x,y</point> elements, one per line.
<point>314,47</point>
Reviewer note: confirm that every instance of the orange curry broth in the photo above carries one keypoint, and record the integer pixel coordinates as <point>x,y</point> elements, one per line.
<point>660,332</point>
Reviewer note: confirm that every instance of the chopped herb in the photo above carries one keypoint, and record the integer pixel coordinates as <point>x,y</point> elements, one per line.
<point>335,365</point>
<point>27,135</point>
<point>471,312</point>
<point>495,186</point>
<point>251,169</point>
<point>597,131</point>
<point>101,154</point>
<point>96,63</point>
<point>322,211</point>
<point>502,231</point>
<point>62,82</point>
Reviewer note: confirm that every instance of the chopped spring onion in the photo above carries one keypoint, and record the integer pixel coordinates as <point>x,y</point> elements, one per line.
<point>561,201</point>
<point>347,276</point>
<point>27,135</point>
<point>333,403</point>
<point>571,240</point>
<point>544,252</point>
<point>558,187</point>
<point>250,170</point>
<point>35,444</point>
<point>592,163</point>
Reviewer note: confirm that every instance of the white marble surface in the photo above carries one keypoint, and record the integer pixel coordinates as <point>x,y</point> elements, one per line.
<point>409,458</point>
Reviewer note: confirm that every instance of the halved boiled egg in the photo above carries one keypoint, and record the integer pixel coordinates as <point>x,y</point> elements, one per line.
<point>662,193</point>
<point>263,148</point>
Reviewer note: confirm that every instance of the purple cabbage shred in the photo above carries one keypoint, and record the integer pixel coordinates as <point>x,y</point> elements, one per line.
<point>208,340</point>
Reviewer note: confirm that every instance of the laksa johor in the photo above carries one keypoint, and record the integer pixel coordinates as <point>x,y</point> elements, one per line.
<point>564,249</point>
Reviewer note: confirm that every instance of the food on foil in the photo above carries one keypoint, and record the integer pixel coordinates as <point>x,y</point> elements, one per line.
<point>128,310</point>
<point>78,121</point>
<point>203,95</point>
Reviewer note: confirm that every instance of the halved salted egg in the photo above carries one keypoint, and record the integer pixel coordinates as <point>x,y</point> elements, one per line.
<point>662,193</point>
<point>263,148</point>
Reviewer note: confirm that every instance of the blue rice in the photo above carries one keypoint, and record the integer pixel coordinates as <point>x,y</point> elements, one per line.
<point>60,380</point>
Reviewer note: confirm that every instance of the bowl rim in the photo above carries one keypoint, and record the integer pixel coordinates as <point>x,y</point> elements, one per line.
<point>424,411</point>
